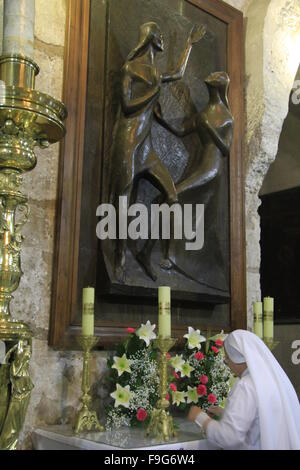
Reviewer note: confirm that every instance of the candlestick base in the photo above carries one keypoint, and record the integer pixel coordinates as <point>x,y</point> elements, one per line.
<point>161,422</point>
<point>271,343</point>
<point>87,419</point>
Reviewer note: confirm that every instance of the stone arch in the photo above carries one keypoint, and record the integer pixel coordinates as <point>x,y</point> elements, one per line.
<point>272,59</point>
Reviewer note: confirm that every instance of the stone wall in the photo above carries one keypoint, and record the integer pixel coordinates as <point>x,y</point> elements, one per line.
<point>271,62</point>
<point>272,59</point>
<point>270,70</point>
<point>284,172</point>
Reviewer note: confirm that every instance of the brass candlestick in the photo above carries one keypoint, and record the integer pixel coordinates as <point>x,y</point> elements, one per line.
<point>87,419</point>
<point>161,423</point>
<point>28,119</point>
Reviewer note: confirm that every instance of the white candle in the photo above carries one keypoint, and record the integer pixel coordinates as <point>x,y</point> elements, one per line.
<point>88,300</point>
<point>258,319</point>
<point>2,352</point>
<point>268,318</point>
<point>164,312</point>
<point>18,30</point>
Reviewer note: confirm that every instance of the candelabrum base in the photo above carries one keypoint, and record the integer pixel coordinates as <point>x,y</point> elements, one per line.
<point>87,421</point>
<point>271,343</point>
<point>161,422</point>
<point>161,425</point>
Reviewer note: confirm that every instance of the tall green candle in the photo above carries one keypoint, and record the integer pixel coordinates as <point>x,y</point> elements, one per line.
<point>164,312</point>
<point>88,300</point>
<point>258,319</point>
<point>268,318</point>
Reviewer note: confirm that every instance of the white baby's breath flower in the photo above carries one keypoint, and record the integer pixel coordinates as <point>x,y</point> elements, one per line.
<point>116,419</point>
<point>194,338</point>
<point>146,332</point>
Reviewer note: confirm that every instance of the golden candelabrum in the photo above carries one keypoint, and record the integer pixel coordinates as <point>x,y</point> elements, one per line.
<point>161,423</point>
<point>86,419</point>
<point>28,119</point>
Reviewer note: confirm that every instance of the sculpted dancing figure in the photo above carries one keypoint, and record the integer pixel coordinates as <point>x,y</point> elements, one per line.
<point>133,155</point>
<point>214,126</point>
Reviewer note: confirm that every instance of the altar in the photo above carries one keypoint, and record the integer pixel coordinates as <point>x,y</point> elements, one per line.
<point>62,437</point>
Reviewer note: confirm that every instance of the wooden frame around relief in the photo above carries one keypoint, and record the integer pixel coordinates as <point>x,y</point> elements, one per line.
<point>64,291</point>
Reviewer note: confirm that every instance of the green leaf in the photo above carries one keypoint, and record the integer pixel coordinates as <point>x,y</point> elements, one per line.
<point>153,355</point>
<point>110,362</point>
<point>182,406</point>
<point>120,350</point>
<point>134,345</point>
<point>176,426</point>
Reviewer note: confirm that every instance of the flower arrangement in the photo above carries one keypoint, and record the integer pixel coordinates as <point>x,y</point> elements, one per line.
<point>196,377</point>
<point>133,372</point>
<point>200,378</point>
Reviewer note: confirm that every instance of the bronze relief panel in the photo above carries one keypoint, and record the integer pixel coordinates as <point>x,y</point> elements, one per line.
<point>158,129</point>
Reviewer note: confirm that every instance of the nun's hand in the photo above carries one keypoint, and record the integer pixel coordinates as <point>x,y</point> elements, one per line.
<point>215,411</point>
<point>193,413</point>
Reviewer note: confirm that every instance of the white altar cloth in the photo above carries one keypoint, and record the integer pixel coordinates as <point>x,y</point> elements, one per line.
<point>62,438</point>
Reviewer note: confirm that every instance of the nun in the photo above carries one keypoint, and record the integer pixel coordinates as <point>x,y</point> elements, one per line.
<point>262,410</point>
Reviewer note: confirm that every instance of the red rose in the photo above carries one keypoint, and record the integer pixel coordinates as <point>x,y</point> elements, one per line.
<point>215,349</point>
<point>212,398</point>
<point>141,414</point>
<point>173,387</point>
<point>219,342</point>
<point>130,330</point>
<point>176,375</point>
<point>168,355</point>
<point>201,390</point>
<point>199,356</point>
<point>204,379</point>
<point>168,396</point>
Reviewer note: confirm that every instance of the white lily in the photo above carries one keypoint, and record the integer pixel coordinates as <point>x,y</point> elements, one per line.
<point>194,338</point>
<point>186,370</point>
<point>146,332</point>
<point>178,397</point>
<point>222,336</point>
<point>177,362</point>
<point>192,395</point>
<point>122,396</point>
<point>122,364</point>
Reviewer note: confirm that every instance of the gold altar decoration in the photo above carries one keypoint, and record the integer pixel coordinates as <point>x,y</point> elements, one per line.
<point>161,422</point>
<point>28,118</point>
<point>87,419</point>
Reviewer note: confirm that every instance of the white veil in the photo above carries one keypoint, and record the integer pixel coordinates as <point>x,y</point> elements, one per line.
<point>278,405</point>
